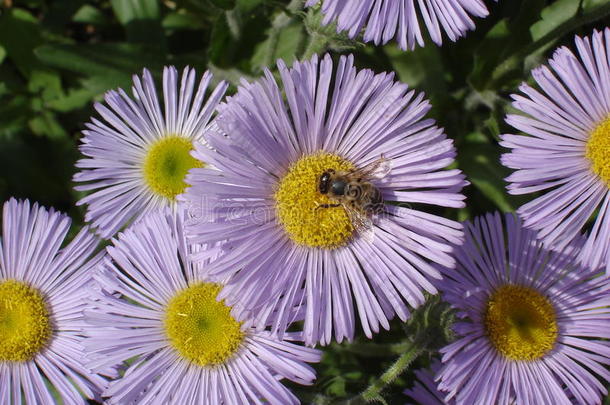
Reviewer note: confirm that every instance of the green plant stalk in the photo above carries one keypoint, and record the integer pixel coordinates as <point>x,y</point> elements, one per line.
<point>373,392</point>
<point>402,363</point>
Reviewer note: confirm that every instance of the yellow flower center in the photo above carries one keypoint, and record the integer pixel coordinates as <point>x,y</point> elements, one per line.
<point>520,322</point>
<point>298,204</point>
<point>25,323</point>
<point>598,151</point>
<point>167,163</point>
<point>200,328</point>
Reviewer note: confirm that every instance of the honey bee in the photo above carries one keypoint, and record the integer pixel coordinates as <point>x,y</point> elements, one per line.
<point>353,190</point>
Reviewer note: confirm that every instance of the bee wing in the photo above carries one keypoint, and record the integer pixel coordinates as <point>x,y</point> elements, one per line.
<point>375,170</point>
<point>361,222</point>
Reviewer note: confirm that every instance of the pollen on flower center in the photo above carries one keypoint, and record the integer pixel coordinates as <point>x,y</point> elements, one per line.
<point>298,204</point>
<point>520,322</point>
<point>200,328</point>
<point>167,163</point>
<point>25,323</point>
<point>598,151</point>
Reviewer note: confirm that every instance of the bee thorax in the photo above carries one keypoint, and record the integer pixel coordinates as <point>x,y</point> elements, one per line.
<point>338,187</point>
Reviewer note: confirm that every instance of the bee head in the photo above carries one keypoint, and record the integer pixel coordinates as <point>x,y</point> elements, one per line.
<point>325,181</point>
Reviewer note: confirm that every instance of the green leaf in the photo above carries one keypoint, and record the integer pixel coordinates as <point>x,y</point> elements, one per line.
<point>337,387</point>
<point>88,14</point>
<point>142,21</point>
<point>99,84</point>
<point>557,22</point>
<point>19,35</point>
<point>235,35</point>
<point>505,40</point>
<point>75,98</point>
<point>101,59</point>
<point>291,40</point>
<point>553,16</point>
<point>285,43</point>
<point>129,10</point>
<point>481,164</point>
<point>13,116</point>
<point>182,21</point>
<point>224,4</point>
<point>46,124</point>
<point>46,83</point>
<point>103,66</point>
<point>2,54</point>
<point>60,13</point>
<point>592,4</point>
<point>233,76</point>
<point>220,49</point>
<point>39,168</point>
<point>285,37</point>
<point>247,6</point>
<point>420,68</point>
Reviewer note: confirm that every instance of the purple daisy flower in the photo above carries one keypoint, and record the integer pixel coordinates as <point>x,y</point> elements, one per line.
<point>566,151</point>
<point>534,322</point>
<point>271,198</point>
<point>425,389</point>
<point>42,295</point>
<point>136,161</point>
<point>185,346</point>
<point>400,19</point>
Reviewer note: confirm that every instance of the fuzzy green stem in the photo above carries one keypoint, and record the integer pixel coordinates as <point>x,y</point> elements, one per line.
<point>396,369</point>
<point>373,392</point>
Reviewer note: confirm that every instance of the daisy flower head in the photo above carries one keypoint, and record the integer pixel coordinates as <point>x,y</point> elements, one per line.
<point>384,20</point>
<point>137,156</point>
<point>42,295</point>
<point>534,323</point>
<point>565,149</point>
<point>299,172</point>
<point>152,307</point>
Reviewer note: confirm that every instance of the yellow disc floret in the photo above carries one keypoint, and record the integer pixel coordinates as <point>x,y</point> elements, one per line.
<point>25,323</point>
<point>298,204</point>
<point>166,164</point>
<point>200,328</point>
<point>598,151</point>
<point>520,322</point>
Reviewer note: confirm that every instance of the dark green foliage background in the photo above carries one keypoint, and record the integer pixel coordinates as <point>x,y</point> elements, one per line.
<point>58,57</point>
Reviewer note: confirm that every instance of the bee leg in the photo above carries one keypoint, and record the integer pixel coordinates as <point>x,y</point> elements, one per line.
<point>327,205</point>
